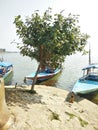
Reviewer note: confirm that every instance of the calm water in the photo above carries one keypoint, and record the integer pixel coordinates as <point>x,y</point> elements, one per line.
<point>71,68</point>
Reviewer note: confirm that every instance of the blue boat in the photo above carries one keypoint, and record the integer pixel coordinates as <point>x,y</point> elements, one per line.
<point>6,72</point>
<point>89,82</point>
<point>43,76</point>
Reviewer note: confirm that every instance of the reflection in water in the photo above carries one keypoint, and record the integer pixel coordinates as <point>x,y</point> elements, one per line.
<point>91,96</point>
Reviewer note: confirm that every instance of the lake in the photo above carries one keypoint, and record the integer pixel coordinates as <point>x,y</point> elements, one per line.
<point>72,70</point>
<point>70,73</point>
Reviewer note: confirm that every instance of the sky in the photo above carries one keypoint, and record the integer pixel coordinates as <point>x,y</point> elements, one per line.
<point>87,9</point>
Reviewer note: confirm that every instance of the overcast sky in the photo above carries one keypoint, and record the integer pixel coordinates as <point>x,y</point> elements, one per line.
<point>87,9</point>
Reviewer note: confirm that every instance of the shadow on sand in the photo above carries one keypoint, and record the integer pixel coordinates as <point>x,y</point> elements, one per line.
<point>21,97</point>
<point>93,97</point>
<point>77,98</point>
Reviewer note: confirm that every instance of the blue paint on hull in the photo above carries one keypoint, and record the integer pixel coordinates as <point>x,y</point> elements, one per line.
<point>42,76</point>
<point>85,86</point>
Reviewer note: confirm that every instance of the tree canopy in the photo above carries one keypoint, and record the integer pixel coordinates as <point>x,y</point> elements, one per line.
<point>50,38</point>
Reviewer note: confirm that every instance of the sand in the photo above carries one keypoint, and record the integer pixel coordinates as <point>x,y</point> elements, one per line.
<point>49,109</point>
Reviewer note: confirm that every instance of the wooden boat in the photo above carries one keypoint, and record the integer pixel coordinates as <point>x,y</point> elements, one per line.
<point>43,76</point>
<point>89,82</point>
<point>6,71</point>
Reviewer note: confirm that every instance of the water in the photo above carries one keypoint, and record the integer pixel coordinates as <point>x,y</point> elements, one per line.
<point>71,68</point>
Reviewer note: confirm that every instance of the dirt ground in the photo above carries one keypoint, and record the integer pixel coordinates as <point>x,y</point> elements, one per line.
<point>49,109</point>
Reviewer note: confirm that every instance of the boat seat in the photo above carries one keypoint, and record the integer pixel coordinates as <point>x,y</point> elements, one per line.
<point>49,71</point>
<point>92,77</point>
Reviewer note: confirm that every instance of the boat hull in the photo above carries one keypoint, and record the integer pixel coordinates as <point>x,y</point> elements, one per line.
<point>85,87</point>
<point>8,77</point>
<point>42,76</point>
<point>6,72</point>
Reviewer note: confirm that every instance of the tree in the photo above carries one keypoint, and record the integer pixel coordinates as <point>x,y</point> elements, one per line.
<point>49,39</point>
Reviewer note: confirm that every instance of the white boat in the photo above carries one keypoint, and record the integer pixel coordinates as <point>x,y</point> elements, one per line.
<point>89,82</point>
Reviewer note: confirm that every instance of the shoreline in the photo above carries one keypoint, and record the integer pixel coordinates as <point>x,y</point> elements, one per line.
<point>49,109</point>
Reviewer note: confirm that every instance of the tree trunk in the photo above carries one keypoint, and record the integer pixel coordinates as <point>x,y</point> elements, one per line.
<point>35,78</point>
<point>40,66</point>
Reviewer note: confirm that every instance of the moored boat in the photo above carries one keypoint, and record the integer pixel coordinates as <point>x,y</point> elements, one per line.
<point>89,82</point>
<point>43,75</point>
<point>6,71</point>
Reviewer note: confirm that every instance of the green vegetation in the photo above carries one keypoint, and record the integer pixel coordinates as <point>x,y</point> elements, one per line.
<point>54,116</point>
<point>70,115</point>
<point>82,122</point>
<point>95,128</point>
<point>49,39</point>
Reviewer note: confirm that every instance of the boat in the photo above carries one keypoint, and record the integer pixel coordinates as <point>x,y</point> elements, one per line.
<point>88,83</point>
<point>43,75</point>
<point>6,72</point>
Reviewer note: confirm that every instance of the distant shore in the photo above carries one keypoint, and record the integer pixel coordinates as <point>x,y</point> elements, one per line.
<point>9,52</point>
<point>49,109</point>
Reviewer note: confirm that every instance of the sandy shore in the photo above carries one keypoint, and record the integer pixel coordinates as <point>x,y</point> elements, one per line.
<point>49,109</point>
